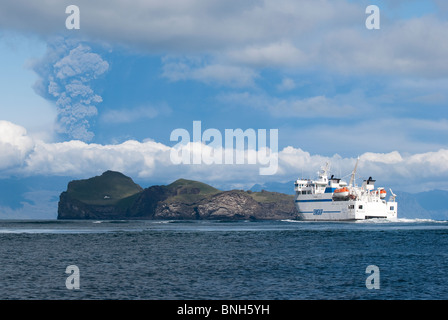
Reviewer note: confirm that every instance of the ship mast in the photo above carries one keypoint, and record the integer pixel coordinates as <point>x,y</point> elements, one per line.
<point>325,169</point>
<point>352,179</point>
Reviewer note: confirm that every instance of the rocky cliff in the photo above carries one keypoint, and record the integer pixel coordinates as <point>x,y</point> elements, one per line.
<point>115,196</point>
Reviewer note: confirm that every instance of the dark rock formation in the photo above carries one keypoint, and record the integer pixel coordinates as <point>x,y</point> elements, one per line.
<point>183,199</point>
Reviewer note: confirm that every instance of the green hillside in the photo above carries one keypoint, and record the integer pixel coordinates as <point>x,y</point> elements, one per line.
<point>189,191</point>
<point>115,196</point>
<point>190,184</point>
<point>270,197</point>
<point>107,189</point>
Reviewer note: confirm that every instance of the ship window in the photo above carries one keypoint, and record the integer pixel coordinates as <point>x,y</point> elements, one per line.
<point>392,208</point>
<point>360,206</point>
<point>352,206</point>
<point>303,192</point>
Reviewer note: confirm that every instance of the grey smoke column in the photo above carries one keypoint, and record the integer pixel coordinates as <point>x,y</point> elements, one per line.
<point>66,72</point>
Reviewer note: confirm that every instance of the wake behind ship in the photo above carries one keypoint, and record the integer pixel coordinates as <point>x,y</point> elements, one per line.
<point>332,199</point>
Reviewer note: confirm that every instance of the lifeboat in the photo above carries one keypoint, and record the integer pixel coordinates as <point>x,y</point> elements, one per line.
<point>383,193</point>
<point>341,192</point>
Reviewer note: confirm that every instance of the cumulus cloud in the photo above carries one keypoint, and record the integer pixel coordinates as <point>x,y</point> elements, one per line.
<point>388,158</point>
<point>413,173</point>
<point>152,160</point>
<point>79,158</point>
<point>66,72</point>
<point>15,145</point>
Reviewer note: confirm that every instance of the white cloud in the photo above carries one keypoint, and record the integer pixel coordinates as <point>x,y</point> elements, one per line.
<point>433,162</point>
<point>79,158</point>
<point>413,173</point>
<point>15,145</point>
<point>325,34</point>
<point>151,160</point>
<point>387,158</point>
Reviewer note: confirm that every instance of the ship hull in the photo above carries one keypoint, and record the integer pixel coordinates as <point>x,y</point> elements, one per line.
<point>324,208</point>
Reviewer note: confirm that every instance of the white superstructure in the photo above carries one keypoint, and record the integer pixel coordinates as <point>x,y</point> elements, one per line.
<point>334,199</point>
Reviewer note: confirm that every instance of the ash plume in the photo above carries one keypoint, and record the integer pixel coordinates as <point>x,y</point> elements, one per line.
<point>65,76</point>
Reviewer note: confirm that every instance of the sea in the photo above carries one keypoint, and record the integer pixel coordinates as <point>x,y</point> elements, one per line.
<point>377,259</point>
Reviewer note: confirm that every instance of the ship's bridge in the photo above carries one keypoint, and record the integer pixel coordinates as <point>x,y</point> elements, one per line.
<point>323,185</point>
<point>304,186</point>
<point>319,186</point>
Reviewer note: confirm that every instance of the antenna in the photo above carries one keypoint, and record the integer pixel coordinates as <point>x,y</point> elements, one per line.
<point>326,168</point>
<point>352,179</point>
<point>393,195</point>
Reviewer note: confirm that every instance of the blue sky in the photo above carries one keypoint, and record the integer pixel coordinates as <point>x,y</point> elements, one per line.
<point>75,103</point>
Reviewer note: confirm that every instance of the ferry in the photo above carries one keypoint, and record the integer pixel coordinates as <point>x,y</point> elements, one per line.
<point>332,199</point>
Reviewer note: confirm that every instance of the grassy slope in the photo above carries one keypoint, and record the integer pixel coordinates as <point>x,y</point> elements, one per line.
<point>107,189</point>
<point>121,191</point>
<point>183,183</point>
<point>267,197</point>
<point>208,191</point>
<point>186,191</point>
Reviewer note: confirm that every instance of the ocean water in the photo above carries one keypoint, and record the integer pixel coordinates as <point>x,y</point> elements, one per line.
<point>245,260</point>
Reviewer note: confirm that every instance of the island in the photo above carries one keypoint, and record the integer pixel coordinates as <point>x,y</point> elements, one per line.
<point>113,195</point>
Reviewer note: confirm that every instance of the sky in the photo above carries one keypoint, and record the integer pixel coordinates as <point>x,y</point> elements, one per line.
<point>108,96</point>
